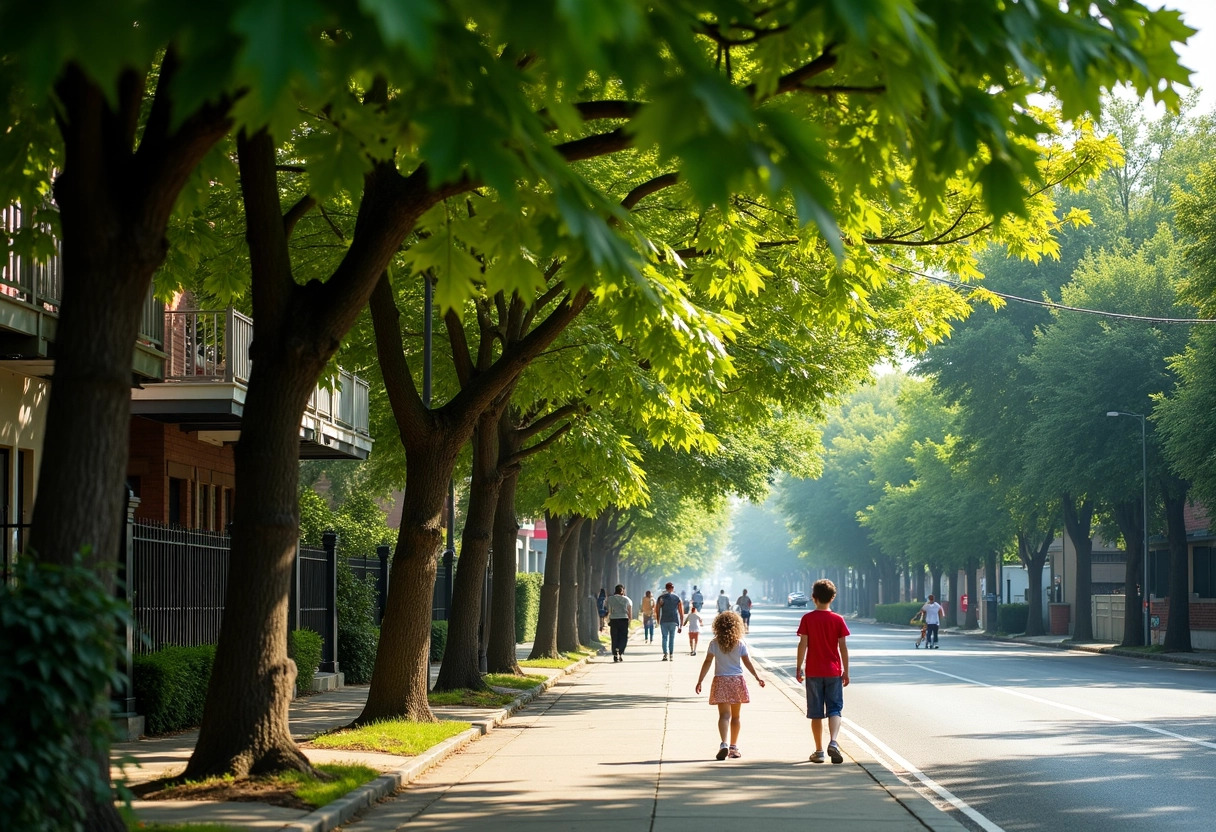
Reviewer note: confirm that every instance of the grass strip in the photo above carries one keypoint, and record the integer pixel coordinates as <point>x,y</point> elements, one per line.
<point>394,736</point>
<point>507,680</point>
<point>565,661</point>
<point>470,698</point>
<point>317,793</point>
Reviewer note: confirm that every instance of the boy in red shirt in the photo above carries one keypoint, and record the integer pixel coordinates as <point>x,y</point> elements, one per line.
<point>821,635</point>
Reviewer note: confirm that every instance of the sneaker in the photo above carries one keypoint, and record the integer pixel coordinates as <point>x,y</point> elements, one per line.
<point>722,752</point>
<point>616,656</point>
<point>818,757</point>
<point>664,657</point>
<point>692,652</point>
<point>734,753</point>
<point>834,753</point>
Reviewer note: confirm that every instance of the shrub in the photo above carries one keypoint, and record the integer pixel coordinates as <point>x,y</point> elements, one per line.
<point>58,654</point>
<point>1011,618</point>
<point>896,613</point>
<point>527,604</point>
<point>171,687</point>
<point>357,631</point>
<point>304,647</point>
<point>439,639</point>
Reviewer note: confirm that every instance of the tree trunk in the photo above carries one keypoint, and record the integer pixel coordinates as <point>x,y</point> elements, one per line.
<point>888,581</point>
<point>1034,559</point>
<point>399,679</point>
<point>918,582</point>
<point>1077,522</point>
<point>544,646</point>
<point>970,567</point>
<point>1178,628</point>
<point>567,610</point>
<point>461,668</point>
<point>992,567</point>
<point>245,726</point>
<point>501,655</point>
<point>113,240</point>
<point>588,613</point>
<point>1130,519</point>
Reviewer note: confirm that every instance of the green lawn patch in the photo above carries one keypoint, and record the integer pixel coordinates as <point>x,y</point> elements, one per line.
<point>566,661</point>
<point>470,698</point>
<point>507,680</point>
<point>1152,648</point>
<point>395,736</point>
<point>292,789</point>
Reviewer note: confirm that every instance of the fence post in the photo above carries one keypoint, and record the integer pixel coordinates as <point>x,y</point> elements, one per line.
<point>126,722</point>
<point>382,584</point>
<point>329,655</point>
<point>293,600</point>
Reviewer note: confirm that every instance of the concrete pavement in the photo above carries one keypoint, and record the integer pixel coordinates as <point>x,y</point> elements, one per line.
<point>630,746</point>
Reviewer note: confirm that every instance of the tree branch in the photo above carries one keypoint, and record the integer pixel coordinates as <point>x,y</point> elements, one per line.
<point>523,453</point>
<point>459,340</point>
<point>403,398</point>
<point>547,421</point>
<point>649,187</point>
<point>297,212</point>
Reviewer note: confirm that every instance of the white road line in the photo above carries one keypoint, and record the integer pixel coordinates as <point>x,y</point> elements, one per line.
<point>891,761</point>
<point>1063,707</point>
<point>907,768</point>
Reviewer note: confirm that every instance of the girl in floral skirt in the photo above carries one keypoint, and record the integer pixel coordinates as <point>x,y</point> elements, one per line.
<point>728,690</point>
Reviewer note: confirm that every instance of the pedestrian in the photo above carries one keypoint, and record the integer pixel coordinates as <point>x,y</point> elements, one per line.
<point>744,605</point>
<point>669,609</point>
<point>932,615</point>
<point>648,617</point>
<point>821,643</point>
<point>693,622</point>
<point>698,600</point>
<point>620,613</point>
<point>723,601</point>
<point>601,604</point>
<point>728,653</point>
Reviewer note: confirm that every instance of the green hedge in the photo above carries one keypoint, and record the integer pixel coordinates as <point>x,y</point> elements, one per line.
<point>439,639</point>
<point>304,647</point>
<point>171,686</point>
<point>357,630</point>
<point>896,613</point>
<point>1011,618</point>
<point>527,604</point>
<point>58,652</point>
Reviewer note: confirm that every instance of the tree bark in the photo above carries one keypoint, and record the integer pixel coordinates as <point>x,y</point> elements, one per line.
<point>1130,519</point>
<point>461,668</point>
<point>114,203</point>
<point>588,613</point>
<point>567,610</point>
<point>544,646</point>
<point>501,656</point>
<point>1077,522</point>
<point>992,567</point>
<point>971,567</point>
<point>1178,628</point>
<point>1034,559</point>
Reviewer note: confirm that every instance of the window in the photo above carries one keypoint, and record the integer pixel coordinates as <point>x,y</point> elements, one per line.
<point>1205,571</point>
<point>177,493</point>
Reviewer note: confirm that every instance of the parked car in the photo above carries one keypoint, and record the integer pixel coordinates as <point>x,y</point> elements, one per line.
<point>796,599</point>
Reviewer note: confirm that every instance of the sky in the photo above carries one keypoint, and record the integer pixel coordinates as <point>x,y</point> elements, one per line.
<point>1199,54</point>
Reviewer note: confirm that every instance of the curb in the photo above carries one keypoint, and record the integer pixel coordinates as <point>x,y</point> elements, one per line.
<point>917,804</point>
<point>337,812</point>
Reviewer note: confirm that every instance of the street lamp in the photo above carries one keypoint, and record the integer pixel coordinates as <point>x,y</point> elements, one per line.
<point>1144,507</point>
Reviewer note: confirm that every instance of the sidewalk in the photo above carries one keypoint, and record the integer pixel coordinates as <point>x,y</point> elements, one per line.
<point>153,758</point>
<point>630,746</point>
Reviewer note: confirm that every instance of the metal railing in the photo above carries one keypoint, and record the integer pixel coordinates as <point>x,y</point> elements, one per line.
<point>345,405</point>
<point>40,284</point>
<point>178,581</point>
<point>208,346</point>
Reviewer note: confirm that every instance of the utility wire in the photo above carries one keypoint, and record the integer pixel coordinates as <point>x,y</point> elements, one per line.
<point>957,284</point>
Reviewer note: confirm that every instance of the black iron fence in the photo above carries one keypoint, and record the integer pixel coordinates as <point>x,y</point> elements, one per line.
<point>178,578</point>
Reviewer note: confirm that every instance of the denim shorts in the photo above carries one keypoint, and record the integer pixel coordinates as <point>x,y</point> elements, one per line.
<point>824,696</point>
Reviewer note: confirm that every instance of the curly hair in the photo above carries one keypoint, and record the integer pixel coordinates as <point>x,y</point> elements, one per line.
<point>728,629</point>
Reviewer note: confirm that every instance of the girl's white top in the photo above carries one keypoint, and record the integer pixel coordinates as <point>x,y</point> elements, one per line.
<point>728,663</point>
<point>693,622</point>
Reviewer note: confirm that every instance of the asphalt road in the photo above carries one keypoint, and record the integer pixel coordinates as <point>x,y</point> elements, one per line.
<point>1027,738</point>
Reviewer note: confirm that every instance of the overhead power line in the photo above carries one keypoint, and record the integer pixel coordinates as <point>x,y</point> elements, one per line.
<point>1149,319</point>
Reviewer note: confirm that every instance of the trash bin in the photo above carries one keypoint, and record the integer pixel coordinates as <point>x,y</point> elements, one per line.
<point>1060,616</point>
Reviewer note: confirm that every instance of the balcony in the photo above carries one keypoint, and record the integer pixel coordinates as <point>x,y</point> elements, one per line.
<point>30,294</point>
<point>206,377</point>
